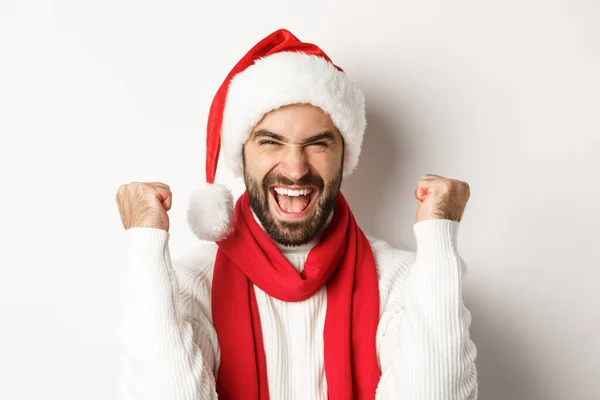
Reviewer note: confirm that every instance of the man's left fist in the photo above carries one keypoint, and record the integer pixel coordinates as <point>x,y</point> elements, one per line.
<point>441,198</point>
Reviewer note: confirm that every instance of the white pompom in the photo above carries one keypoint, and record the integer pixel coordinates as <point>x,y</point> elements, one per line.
<point>210,212</point>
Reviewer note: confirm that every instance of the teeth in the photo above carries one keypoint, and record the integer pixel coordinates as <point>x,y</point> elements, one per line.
<point>289,192</point>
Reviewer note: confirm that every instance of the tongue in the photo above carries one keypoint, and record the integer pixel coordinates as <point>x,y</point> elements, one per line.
<point>292,204</point>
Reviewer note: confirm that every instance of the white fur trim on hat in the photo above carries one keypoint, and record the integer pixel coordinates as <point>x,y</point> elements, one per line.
<point>210,212</point>
<point>291,78</point>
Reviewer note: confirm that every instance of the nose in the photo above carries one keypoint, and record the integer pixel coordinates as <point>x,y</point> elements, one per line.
<point>294,164</point>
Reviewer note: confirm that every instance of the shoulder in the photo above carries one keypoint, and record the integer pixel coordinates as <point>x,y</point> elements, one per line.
<point>390,261</point>
<point>393,265</point>
<point>194,270</point>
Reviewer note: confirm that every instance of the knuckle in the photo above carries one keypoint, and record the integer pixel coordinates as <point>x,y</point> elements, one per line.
<point>121,192</point>
<point>142,187</point>
<point>160,184</point>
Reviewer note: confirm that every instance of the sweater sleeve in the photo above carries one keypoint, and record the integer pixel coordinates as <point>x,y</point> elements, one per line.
<point>164,353</point>
<point>428,352</point>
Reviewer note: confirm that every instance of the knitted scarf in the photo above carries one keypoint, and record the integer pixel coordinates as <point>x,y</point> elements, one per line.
<point>342,260</point>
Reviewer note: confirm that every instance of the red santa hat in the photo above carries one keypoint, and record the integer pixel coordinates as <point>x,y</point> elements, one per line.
<point>279,70</point>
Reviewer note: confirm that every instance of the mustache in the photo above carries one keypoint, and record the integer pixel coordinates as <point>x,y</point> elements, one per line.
<point>307,180</point>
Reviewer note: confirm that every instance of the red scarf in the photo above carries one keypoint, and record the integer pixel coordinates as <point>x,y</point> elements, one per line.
<point>342,260</point>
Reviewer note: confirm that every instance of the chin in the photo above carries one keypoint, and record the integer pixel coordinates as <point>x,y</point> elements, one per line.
<point>291,230</point>
<point>292,213</point>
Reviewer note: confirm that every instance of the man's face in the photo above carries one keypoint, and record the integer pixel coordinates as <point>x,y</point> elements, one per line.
<point>293,172</point>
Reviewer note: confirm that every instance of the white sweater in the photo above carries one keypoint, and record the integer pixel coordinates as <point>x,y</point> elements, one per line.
<point>169,348</point>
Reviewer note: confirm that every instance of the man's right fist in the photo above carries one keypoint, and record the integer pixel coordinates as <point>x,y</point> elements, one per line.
<point>144,204</point>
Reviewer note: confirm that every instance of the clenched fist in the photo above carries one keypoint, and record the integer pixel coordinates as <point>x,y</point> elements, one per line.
<point>144,204</point>
<point>441,198</point>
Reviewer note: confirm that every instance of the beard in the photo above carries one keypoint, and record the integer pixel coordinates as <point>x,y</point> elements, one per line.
<point>293,233</point>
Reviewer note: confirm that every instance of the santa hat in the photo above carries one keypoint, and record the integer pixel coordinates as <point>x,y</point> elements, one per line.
<point>278,71</point>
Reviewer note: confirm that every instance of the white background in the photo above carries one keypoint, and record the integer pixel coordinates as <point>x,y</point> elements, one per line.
<point>503,95</point>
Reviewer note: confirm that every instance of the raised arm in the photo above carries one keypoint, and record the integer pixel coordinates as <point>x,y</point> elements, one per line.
<point>426,352</point>
<point>167,343</point>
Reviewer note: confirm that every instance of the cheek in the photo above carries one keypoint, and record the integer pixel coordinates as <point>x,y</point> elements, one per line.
<point>326,165</point>
<point>259,164</point>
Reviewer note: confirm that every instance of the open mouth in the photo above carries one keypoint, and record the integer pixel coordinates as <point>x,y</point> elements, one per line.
<point>293,202</point>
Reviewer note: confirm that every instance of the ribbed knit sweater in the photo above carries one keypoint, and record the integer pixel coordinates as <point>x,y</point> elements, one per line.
<point>169,348</point>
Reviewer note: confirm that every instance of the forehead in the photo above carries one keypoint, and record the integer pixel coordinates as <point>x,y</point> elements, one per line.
<point>297,121</point>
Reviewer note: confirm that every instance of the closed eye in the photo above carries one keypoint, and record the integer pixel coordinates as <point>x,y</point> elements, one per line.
<point>268,142</point>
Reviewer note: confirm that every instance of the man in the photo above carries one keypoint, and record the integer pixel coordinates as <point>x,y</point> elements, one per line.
<point>293,301</point>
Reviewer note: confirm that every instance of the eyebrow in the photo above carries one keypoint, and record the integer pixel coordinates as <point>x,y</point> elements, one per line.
<point>327,135</point>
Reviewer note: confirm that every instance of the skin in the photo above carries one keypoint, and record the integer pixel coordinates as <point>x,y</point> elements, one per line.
<point>441,198</point>
<point>296,146</point>
<point>292,160</point>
